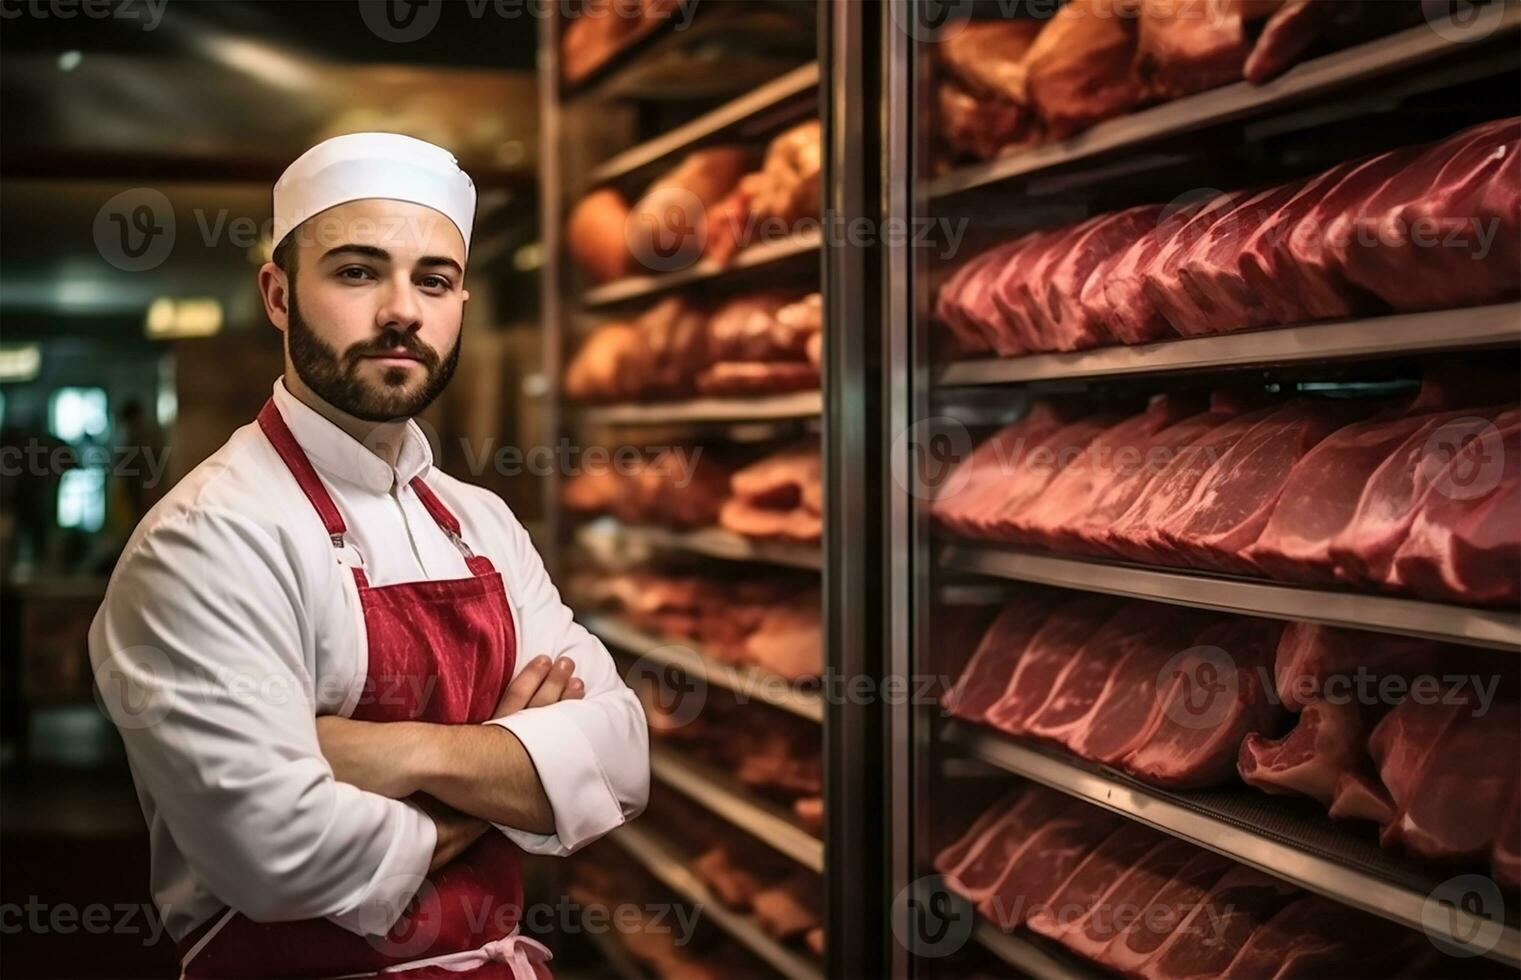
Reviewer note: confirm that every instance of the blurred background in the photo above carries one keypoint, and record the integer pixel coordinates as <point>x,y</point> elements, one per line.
<point>127,355</point>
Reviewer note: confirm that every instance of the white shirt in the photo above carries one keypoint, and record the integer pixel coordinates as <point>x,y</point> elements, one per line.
<point>229,625</point>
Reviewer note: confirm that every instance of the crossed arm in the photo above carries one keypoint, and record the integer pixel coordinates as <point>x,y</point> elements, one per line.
<point>465,777</point>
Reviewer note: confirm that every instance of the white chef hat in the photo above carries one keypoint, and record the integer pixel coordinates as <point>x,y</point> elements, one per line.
<point>364,165</point>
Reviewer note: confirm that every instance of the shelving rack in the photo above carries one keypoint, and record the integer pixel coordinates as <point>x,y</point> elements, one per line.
<point>765,98</point>
<point>1156,147</point>
<point>747,683</point>
<point>663,860</point>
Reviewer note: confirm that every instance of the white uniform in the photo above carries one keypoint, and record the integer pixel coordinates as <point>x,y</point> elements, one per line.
<point>229,625</point>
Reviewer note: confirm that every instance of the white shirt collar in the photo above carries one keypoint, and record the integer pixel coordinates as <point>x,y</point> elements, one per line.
<point>338,455</point>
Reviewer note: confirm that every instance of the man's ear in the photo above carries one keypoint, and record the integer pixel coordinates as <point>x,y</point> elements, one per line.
<point>274,289</point>
<point>465,295</point>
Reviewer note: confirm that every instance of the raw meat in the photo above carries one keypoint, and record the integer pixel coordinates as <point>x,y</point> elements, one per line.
<point>1325,743</point>
<point>1165,911</point>
<point>1320,498</point>
<point>1128,899</point>
<point>1188,46</point>
<point>1125,713</point>
<point>735,378</point>
<point>1074,290</point>
<point>1132,311</point>
<point>983,868</point>
<point>1454,213</point>
<point>1505,859</point>
<point>1360,796</point>
<point>1032,472</point>
<point>1465,541</point>
<point>1050,856</point>
<point>1216,696</point>
<point>983,681</point>
<point>988,56</point>
<point>1070,494</point>
<point>980,480</point>
<point>1206,942</point>
<point>1465,784</point>
<point>1232,502</point>
<point>1162,280</point>
<point>1287,34</point>
<point>1390,501</point>
<point>954,854</point>
<point>1020,327</point>
<point>594,235</point>
<point>1046,658</point>
<point>1309,938</point>
<point>1081,893</point>
<point>1079,70</point>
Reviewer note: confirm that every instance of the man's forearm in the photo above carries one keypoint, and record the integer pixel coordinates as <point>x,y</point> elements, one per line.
<point>482,770</point>
<point>485,771</point>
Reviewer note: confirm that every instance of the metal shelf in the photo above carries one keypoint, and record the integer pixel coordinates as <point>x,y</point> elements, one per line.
<point>710,542</point>
<point>1385,614</point>
<point>773,95</point>
<point>748,683</point>
<point>643,287</point>
<point>1365,62</point>
<point>1414,333</point>
<point>1287,838</point>
<point>792,405</point>
<point>720,793</point>
<point>669,867</point>
<point>1032,958</point>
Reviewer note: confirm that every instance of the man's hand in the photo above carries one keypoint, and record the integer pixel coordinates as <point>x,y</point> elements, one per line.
<point>540,683</point>
<point>456,830</point>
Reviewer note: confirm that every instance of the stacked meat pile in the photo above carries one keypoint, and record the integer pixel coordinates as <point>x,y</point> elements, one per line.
<point>1117,682</point>
<point>1185,699</point>
<point>767,621</point>
<point>657,488</point>
<point>712,205</point>
<point>1010,83</point>
<point>781,497</point>
<point>1143,904</point>
<point>760,343</point>
<point>1418,228</point>
<point>1420,495</point>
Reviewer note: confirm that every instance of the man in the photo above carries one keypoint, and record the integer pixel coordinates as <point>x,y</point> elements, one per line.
<point>348,690</point>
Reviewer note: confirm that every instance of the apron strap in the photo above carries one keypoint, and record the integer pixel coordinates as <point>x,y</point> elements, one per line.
<point>284,441</point>
<point>301,468</point>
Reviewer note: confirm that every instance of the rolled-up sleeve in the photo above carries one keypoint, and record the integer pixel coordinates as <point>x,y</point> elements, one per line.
<point>198,660</point>
<point>592,754</point>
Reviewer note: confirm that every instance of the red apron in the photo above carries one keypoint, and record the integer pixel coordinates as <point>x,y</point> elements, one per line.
<point>440,651</point>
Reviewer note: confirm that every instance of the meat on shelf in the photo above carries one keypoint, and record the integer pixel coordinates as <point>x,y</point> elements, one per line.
<point>1435,226</point>
<point>1008,84</point>
<point>1143,904</point>
<point>1417,494</point>
<point>1391,730</point>
<point>712,205</point>
<point>760,343</point>
<point>770,621</point>
<point>778,496</point>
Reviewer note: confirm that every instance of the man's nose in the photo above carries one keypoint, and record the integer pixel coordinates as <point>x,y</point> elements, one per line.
<point>399,307</point>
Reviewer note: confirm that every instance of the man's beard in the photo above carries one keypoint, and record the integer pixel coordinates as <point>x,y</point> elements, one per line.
<point>335,377</point>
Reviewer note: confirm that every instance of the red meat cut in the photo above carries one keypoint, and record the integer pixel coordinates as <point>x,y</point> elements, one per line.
<point>1326,742</point>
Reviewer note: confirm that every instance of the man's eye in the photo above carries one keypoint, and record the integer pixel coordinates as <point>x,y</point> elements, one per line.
<point>435,282</point>
<point>354,272</point>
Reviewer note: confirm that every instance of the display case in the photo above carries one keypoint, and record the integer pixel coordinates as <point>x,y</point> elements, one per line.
<point>1079,312</point>
<point>689,337</point>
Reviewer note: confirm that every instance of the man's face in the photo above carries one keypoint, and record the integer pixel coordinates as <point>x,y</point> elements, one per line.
<point>372,320</point>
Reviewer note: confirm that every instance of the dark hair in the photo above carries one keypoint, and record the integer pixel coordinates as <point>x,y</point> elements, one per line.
<point>284,256</point>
